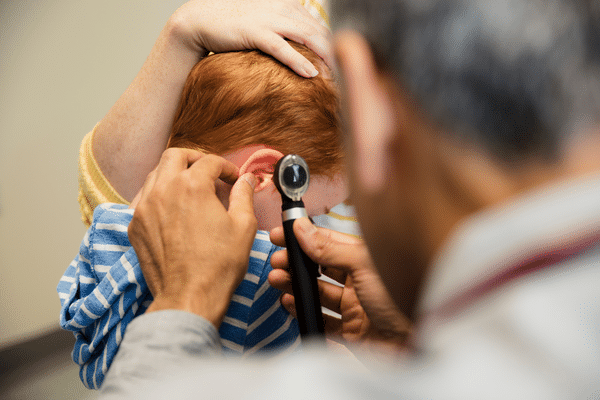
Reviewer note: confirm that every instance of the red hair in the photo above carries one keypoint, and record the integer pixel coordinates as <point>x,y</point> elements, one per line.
<point>232,100</point>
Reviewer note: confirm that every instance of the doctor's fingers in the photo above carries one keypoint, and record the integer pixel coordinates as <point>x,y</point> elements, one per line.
<point>330,294</point>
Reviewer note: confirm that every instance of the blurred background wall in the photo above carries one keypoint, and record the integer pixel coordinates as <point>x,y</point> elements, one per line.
<point>62,65</point>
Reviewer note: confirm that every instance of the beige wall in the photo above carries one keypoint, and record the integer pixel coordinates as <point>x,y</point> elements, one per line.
<point>62,65</point>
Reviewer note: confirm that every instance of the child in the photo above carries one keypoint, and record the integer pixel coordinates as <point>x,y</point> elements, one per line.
<point>250,109</point>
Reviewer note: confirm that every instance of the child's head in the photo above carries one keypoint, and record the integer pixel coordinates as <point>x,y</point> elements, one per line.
<point>252,110</point>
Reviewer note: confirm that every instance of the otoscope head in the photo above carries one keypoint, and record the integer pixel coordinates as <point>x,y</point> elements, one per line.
<point>291,177</point>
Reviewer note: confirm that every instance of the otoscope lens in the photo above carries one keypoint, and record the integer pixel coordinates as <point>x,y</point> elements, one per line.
<point>294,176</point>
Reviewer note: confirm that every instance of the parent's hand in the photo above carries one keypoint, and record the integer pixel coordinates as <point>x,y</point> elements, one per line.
<point>220,26</point>
<point>192,251</point>
<point>368,313</point>
<point>130,139</point>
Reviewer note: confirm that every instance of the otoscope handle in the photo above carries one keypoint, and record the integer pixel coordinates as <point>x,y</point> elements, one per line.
<point>304,284</point>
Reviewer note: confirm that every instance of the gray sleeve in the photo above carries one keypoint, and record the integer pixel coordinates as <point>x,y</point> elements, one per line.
<point>177,355</point>
<point>156,343</point>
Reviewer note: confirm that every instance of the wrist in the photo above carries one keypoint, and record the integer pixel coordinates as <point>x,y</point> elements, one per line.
<point>198,304</point>
<point>179,31</point>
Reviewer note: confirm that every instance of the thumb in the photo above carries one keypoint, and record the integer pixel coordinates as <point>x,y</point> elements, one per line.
<point>329,248</point>
<point>241,201</point>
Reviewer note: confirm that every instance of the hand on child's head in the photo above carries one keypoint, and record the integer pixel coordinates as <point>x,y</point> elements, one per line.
<point>224,26</point>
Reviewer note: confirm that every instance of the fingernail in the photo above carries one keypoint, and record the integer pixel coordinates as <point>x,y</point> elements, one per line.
<point>251,179</point>
<point>310,70</point>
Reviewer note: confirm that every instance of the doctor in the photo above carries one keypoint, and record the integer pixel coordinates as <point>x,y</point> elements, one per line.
<point>472,137</point>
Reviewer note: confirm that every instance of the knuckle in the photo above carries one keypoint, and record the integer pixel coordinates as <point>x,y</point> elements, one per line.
<point>137,224</point>
<point>170,153</point>
<point>321,288</point>
<point>160,189</point>
<point>254,224</point>
<point>312,31</point>
<point>322,246</point>
<point>323,30</point>
<point>277,47</point>
<point>212,158</point>
<point>131,229</point>
<point>189,185</point>
<point>151,176</point>
<point>209,159</point>
<point>308,30</point>
<point>286,7</point>
<point>248,221</point>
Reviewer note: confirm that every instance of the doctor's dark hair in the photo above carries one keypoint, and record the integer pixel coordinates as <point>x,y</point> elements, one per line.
<point>237,99</point>
<point>516,78</point>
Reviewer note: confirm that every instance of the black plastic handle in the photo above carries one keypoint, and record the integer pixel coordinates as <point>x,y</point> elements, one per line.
<point>304,284</point>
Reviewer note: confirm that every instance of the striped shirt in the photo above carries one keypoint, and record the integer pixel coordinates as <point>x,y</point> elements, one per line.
<point>103,289</point>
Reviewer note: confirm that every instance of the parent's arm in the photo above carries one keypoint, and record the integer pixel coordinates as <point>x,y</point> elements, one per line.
<point>128,141</point>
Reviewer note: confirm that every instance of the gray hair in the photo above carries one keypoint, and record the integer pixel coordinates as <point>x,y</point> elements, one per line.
<point>517,77</point>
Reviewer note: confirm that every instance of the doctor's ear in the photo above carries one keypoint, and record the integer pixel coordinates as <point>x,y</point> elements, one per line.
<point>262,164</point>
<point>371,112</point>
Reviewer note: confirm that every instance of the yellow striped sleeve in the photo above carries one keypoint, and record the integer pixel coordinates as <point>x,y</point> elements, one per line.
<point>318,9</point>
<point>341,218</point>
<point>94,188</point>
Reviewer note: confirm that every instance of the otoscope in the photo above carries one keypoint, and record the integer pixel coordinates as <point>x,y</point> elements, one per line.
<point>291,177</point>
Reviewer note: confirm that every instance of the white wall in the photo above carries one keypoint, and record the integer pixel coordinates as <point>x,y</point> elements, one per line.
<point>63,64</point>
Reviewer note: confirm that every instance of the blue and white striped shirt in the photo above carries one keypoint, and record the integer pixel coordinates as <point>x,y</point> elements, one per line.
<point>103,289</point>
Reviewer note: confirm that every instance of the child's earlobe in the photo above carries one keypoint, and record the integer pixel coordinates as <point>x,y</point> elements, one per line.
<point>262,164</point>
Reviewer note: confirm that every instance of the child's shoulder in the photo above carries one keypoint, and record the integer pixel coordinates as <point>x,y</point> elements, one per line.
<point>260,255</point>
<point>112,213</point>
<point>109,228</point>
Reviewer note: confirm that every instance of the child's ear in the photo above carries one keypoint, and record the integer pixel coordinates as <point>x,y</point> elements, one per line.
<point>262,164</point>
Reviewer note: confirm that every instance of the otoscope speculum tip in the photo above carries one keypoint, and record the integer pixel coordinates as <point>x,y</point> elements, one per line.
<point>292,177</point>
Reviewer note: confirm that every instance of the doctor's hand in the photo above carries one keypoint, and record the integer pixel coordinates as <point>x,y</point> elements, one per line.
<point>230,25</point>
<point>369,316</point>
<point>192,251</point>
